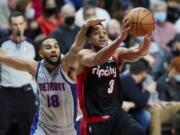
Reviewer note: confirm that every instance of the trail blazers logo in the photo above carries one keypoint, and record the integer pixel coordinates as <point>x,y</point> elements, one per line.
<point>104,72</point>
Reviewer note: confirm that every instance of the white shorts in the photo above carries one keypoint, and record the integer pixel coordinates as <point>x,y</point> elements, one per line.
<point>44,130</point>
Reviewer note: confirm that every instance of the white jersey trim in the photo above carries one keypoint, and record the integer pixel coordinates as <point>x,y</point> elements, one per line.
<point>67,77</point>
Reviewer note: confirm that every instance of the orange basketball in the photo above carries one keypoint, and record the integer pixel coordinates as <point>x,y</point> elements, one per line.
<point>141,21</point>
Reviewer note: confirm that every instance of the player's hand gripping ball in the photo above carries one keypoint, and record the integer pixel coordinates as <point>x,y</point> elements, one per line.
<point>141,21</point>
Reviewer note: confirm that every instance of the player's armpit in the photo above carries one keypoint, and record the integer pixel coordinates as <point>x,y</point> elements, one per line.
<point>79,41</point>
<point>87,58</point>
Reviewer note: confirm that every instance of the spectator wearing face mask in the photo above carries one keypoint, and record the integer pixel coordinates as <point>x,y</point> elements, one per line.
<point>66,32</point>
<point>33,29</point>
<point>25,7</point>
<point>90,11</point>
<point>50,18</point>
<point>162,112</point>
<point>165,31</point>
<point>173,52</point>
<point>173,10</point>
<point>113,30</point>
<point>168,86</point>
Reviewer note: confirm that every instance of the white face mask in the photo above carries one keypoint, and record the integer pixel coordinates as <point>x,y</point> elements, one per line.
<point>140,39</point>
<point>160,16</point>
<point>177,78</point>
<point>30,14</point>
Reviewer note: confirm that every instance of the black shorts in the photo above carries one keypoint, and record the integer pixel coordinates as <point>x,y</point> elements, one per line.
<point>17,104</point>
<point>121,123</point>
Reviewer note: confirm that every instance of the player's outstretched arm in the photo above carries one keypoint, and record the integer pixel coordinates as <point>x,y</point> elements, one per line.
<point>135,53</point>
<point>17,63</point>
<point>89,58</point>
<point>78,44</point>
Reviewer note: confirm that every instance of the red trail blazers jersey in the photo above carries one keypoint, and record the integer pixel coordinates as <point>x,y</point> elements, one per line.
<point>99,89</point>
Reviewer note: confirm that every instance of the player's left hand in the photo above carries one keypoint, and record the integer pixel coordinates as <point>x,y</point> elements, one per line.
<point>148,36</point>
<point>125,28</point>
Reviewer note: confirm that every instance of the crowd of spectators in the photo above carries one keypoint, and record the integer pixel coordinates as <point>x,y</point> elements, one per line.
<point>151,85</point>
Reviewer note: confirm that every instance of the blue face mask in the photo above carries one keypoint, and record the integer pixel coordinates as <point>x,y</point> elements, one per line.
<point>160,16</point>
<point>140,39</point>
<point>30,14</point>
<point>177,78</point>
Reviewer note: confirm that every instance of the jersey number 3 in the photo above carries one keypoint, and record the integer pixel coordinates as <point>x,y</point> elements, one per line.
<point>111,87</point>
<point>53,100</point>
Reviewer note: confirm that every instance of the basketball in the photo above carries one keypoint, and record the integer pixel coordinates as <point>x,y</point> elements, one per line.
<point>141,21</point>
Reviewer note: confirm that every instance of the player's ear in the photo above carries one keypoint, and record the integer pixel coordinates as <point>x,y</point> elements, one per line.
<point>40,54</point>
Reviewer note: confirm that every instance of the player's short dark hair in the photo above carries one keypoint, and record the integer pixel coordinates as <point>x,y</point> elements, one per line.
<point>48,37</point>
<point>176,123</point>
<point>139,66</point>
<point>15,14</point>
<point>90,29</point>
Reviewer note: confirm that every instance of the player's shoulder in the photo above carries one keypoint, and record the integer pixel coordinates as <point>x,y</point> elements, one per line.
<point>85,51</point>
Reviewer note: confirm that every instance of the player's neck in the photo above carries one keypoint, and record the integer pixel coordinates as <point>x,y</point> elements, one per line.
<point>50,67</point>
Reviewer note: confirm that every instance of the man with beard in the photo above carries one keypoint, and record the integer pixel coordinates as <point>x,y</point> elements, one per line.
<point>17,100</point>
<point>98,83</point>
<point>56,78</point>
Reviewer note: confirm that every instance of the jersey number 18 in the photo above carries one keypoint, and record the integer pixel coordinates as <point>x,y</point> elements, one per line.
<point>53,100</point>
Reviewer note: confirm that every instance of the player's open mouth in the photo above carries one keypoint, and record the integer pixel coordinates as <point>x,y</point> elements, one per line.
<point>102,41</point>
<point>54,57</point>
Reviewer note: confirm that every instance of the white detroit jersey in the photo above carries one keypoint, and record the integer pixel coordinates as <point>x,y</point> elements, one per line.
<point>58,104</point>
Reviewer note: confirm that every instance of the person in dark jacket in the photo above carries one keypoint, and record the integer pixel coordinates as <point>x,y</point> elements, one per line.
<point>134,91</point>
<point>66,32</point>
<point>168,86</point>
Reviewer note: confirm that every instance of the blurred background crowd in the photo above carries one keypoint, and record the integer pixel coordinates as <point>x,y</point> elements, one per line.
<point>151,85</point>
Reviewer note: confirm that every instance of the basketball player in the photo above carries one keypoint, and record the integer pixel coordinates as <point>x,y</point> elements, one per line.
<point>55,77</point>
<point>98,83</point>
